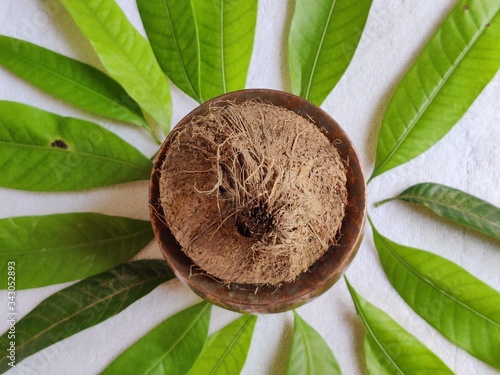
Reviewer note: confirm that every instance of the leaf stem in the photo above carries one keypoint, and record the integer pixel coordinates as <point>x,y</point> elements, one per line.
<point>380,203</point>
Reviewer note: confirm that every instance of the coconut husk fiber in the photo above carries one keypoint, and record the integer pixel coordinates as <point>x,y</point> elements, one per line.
<point>253,193</point>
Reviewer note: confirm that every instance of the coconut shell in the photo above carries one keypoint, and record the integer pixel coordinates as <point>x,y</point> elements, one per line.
<point>253,193</point>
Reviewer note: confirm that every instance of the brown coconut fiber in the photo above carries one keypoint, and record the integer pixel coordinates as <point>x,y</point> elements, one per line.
<point>253,193</point>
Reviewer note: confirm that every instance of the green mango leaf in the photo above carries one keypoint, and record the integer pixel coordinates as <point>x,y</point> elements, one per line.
<point>173,33</point>
<point>226,31</point>
<point>83,305</point>
<point>451,71</point>
<point>226,351</point>
<point>455,205</point>
<point>41,151</point>
<point>323,37</point>
<point>310,353</point>
<point>172,347</point>
<point>69,80</point>
<point>65,247</point>
<point>389,349</point>
<point>125,54</point>
<point>458,305</point>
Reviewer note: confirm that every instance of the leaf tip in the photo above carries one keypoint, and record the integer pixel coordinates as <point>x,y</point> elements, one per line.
<point>374,174</point>
<point>370,221</point>
<point>354,295</point>
<point>349,286</point>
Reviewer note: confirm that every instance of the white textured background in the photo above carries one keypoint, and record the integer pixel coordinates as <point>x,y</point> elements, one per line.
<point>467,158</point>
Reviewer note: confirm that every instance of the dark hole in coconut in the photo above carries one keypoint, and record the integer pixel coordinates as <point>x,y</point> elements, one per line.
<point>255,221</point>
<point>244,230</point>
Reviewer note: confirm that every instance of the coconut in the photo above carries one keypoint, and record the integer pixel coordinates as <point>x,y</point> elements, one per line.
<point>254,193</point>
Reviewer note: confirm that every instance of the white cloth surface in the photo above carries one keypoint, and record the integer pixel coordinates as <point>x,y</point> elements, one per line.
<point>467,159</point>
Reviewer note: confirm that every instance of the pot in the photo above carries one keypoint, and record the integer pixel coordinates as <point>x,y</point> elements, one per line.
<point>249,298</point>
